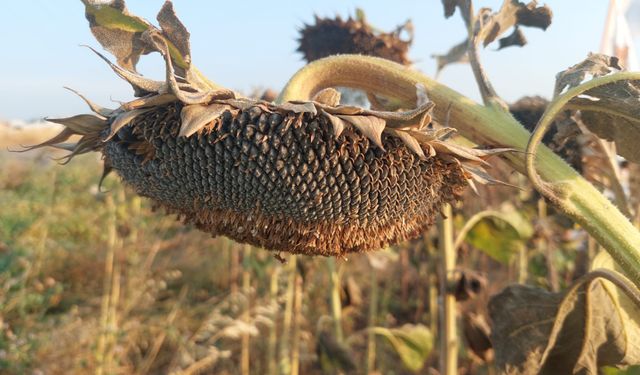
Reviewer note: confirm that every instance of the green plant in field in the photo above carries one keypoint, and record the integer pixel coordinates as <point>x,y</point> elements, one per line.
<point>307,175</point>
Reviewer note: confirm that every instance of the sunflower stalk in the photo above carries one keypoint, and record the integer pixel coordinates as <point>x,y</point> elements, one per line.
<point>373,313</point>
<point>285,341</point>
<point>336,304</point>
<point>245,360</point>
<point>272,361</point>
<point>449,339</point>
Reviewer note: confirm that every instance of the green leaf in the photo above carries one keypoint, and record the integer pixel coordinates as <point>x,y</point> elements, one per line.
<point>631,370</point>
<point>413,343</point>
<point>118,31</point>
<point>122,33</point>
<point>498,234</point>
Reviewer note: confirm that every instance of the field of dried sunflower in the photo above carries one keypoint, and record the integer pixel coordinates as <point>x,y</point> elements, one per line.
<point>96,279</point>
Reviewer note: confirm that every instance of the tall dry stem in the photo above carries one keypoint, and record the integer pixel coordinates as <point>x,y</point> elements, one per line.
<point>449,335</point>
<point>285,341</point>
<point>246,315</point>
<point>297,321</point>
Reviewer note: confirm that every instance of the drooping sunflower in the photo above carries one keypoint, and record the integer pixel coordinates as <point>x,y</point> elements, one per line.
<point>310,177</point>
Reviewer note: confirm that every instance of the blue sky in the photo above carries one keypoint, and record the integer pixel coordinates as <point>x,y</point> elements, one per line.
<point>248,44</point>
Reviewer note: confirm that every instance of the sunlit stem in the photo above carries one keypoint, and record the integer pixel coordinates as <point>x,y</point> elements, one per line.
<point>273,333</point>
<point>285,341</point>
<point>449,338</point>
<point>336,304</point>
<point>373,313</point>
<point>245,359</point>
<point>297,316</point>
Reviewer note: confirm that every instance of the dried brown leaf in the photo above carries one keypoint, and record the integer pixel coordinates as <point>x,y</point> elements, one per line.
<point>516,38</point>
<point>477,333</point>
<point>337,123</point>
<point>611,110</point>
<point>81,124</point>
<point>457,54</point>
<point>409,141</point>
<point>118,31</point>
<point>195,117</point>
<point>538,332</point>
<point>595,65</point>
<point>64,135</point>
<point>370,126</point>
<point>300,107</point>
<point>175,32</point>
<point>449,7</point>
<point>123,119</point>
<point>97,109</point>
<point>513,13</point>
<point>141,86</point>
<point>328,96</point>
<point>149,101</point>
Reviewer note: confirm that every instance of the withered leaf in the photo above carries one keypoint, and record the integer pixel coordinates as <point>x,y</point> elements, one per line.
<point>538,332</point>
<point>457,54</point>
<point>195,117</point>
<point>516,38</point>
<point>175,32</point>
<point>97,109</point>
<point>477,333</point>
<point>337,123</point>
<point>610,110</point>
<point>534,16</point>
<point>81,124</point>
<point>300,107</point>
<point>118,31</point>
<point>514,13</point>
<point>64,135</point>
<point>370,126</point>
<point>328,96</point>
<point>409,141</point>
<point>124,35</point>
<point>123,119</point>
<point>449,7</point>
<point>595,65</point>
<point>141,86</point>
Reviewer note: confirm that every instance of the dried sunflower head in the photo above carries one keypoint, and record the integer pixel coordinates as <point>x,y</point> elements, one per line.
<point>304,177</point>
<point>332,36</point>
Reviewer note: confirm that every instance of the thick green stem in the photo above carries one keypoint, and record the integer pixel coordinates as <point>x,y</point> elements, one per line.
<point>489,125</point>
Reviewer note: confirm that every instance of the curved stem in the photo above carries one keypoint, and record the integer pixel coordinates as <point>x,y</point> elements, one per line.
<point>484,125</point>
<point>546,121</point>
<point>469,224</point>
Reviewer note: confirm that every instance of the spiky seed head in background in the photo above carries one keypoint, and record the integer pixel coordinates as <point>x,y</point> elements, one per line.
<point>332,36</point>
